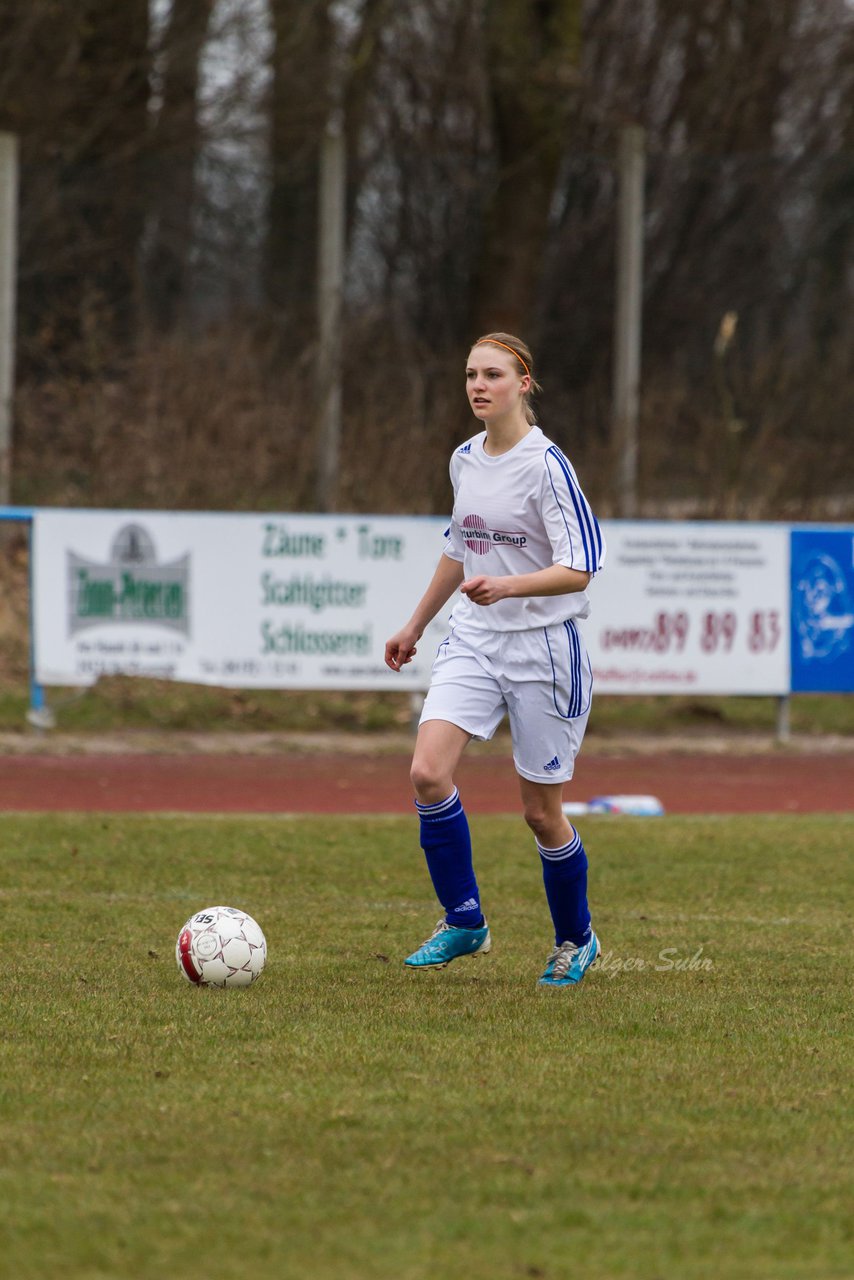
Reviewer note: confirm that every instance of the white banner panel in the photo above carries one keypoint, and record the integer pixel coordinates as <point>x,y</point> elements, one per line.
<point>691,608</point>
<point>308,601</point>
<point>247,601</point>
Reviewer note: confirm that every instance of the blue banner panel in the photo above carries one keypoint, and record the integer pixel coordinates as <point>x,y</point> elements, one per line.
<point>822,610</point>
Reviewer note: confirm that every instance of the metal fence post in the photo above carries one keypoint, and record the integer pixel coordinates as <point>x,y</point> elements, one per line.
<point>628,316</point>
<point>8,260</point>
<point>330,297</point>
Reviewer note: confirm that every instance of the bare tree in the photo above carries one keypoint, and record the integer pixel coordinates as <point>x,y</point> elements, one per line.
<point>299,105</point>
<point>531,54</point>
<point>173,161</point>
<point>832,241</point>
<point>481,192</point>
<point>83,86</point>
<point>420,168</point>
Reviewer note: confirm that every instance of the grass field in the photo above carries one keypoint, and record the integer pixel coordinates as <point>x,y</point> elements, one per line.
<point>122,704</point>
<point>682,1114</point>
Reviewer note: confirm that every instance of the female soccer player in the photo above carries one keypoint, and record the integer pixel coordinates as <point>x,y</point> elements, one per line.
<point>522,547</point>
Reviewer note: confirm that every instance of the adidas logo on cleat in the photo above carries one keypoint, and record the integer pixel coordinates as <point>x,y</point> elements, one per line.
<point>553,764</point>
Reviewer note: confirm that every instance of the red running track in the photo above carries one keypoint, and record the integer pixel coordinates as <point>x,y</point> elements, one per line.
<point>313,782</point>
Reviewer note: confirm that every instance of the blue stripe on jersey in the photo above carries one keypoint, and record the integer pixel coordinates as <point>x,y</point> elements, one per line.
<point>580,515</point>
<point>591,535</point>
<point>586,518</point>
<point>560,507</point>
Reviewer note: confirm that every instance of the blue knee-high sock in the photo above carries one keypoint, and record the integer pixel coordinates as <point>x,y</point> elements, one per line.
<point>446,843</point>
<point>565,878</point>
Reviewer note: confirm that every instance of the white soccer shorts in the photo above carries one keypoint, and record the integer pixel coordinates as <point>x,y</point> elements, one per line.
<point>541,678</point>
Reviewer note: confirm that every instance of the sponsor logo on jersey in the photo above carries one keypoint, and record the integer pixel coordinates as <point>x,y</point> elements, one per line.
<point>479,538</point>
<point>466,448</point>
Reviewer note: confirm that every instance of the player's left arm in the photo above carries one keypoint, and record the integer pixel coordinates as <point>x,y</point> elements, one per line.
<point>572,528</point>
<point>556,580</point>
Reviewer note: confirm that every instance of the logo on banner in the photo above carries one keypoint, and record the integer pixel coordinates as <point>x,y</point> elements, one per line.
<point>822,607</point>
<point>130,588</point>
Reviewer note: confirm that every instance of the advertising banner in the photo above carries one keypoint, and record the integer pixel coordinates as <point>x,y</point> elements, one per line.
<point>691,608</point>
<point>308,601</point>
<point>822,616</point>
<point>263,601</point>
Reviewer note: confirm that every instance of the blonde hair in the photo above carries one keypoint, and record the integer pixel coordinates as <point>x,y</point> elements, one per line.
<point>522,354</point>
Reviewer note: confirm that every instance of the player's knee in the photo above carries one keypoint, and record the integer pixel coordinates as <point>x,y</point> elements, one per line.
<point>538,817</point>
<point>429,781</point>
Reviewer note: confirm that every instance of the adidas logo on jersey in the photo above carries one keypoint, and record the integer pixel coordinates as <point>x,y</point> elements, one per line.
<point>466,448</point>
<point>553,764</point>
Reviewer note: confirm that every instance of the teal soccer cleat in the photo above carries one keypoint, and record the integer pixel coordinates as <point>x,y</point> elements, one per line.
<point>446,943</point>
<point>568,963</point>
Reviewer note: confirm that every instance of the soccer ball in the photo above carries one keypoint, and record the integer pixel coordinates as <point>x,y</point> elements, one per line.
<point>221,947</point>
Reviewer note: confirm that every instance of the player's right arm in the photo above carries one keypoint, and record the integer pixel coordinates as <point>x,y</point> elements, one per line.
<point>400,649</point>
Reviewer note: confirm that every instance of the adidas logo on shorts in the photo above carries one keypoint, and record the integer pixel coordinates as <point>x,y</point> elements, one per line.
<point>553,764</point>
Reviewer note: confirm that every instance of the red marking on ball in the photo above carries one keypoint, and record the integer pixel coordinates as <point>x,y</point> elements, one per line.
<point>184,944</point>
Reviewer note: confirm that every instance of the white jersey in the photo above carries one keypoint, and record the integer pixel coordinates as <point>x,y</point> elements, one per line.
<point>516,513</point>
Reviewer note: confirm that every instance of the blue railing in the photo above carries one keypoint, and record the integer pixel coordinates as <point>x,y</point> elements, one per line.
<point>38,713</point>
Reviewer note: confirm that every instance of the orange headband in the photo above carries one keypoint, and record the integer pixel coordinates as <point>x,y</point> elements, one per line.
<point>496,343</point>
